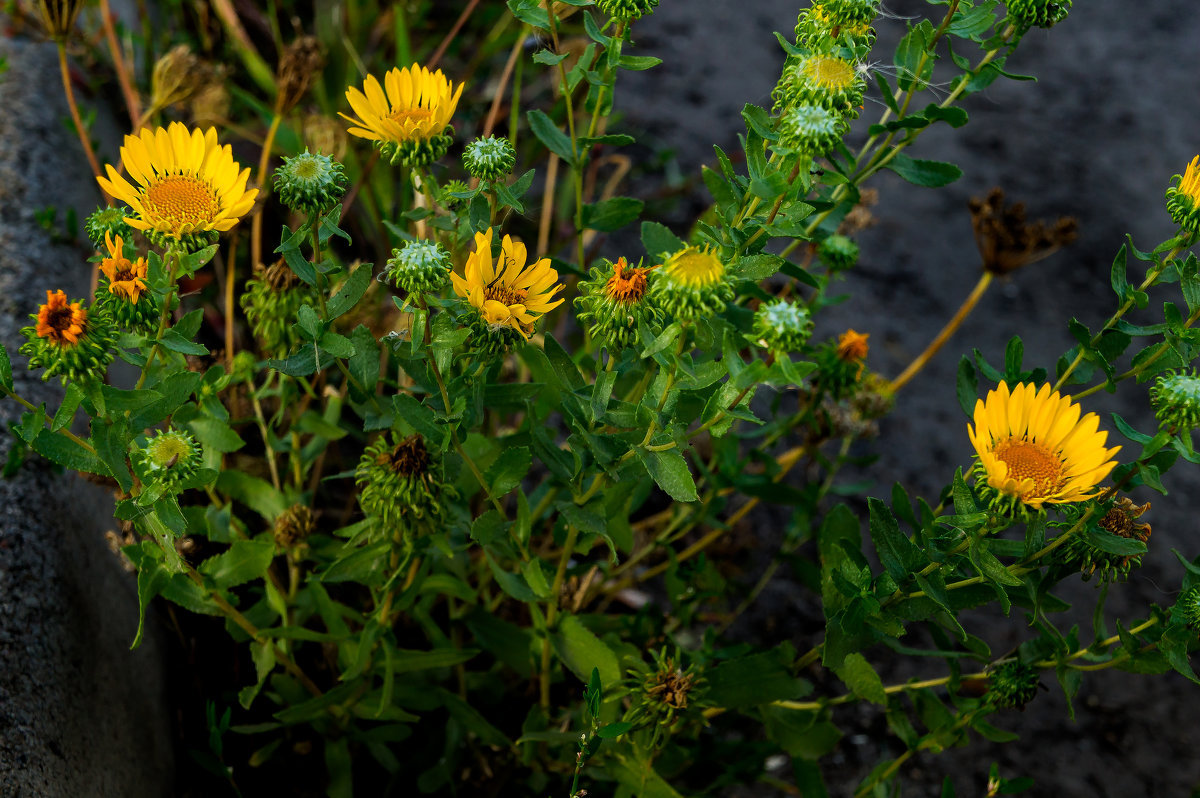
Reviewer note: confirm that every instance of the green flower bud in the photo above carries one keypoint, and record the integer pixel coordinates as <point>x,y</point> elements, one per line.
<point>810,129</point>
<point>452,188</point>
<point>1012,684</point>
<point>838,252</point>
<point>614,301</point>
<point>418,267</point>
<point>782,326</point>
<point>417,152</point>
<point>400,484</point>
<point>310,182</point>
<point>272,301</point>
<point>1038,13</point>
<point>69,341</point>
<point>1187,607</point>
<point>186,242</point>
<point>109,220</point>
<point>490,158</point>
<point>168,459</point>
<point>1175,398</point>
<point>820,79</point>
<point>293,526</point>
<point>830,24</point>
<point>1183,199</point>
<point>693,283</point>
<point>626,10</point>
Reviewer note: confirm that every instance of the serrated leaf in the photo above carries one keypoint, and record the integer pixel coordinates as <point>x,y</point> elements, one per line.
<point>548,133</point>
<point>670,471</point>
<point>612,214</point>
<point>243,561</point>
<point>931,174</point>
<point>351,292</point>
<point>899,555</point>
<point>581,651</point>
<point>862,679</point>
<point>508,470</point>
<point>658,241</point>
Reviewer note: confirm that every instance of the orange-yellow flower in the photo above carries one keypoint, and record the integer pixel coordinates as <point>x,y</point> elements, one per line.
<point>1034,447</point>
<point>407,115</point>
<point>125,278</point>
<point>852,346</point>
<point>187,184</point>
<point>61,321</point>
<point>626,284</point>
<point>507,292</point>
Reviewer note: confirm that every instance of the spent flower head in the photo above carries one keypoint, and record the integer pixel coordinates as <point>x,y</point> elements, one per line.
<point>1121,520</point>
<point>272,300</point>
<point>69,340</point>
<point>123,292</point>
<point>400,484</point>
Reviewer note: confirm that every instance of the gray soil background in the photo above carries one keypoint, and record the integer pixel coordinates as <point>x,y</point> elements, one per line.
<point>1113,116</point>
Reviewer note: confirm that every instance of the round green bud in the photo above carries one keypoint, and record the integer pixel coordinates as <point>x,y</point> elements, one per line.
<point>1187,607</point>
<point>417,152</point>
<point>168,459</point>
<point>1012,684</point>
<point>310,182</point>
<point>614,302</point>
<point>782,326</point>
<point>139,317</point>
<point>487,340</point>
<point>626,10</point>
<point>820,79</point>
<point>400,484</point>
<point>110,220</point>
<point>453,193</point>
<point>490,158</point>
<point>1175,398</point>
<point>418,267</point>
<point>188,242</point>
<point>693,283</point>
<point>810,129</point>
<point>1038,13</point>
<point>838,252</point>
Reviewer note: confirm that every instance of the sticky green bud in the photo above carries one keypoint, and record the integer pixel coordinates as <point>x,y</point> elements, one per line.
<point>1038,13</point>
<point>838,252</point>
<point>810,129</point>
<point>626,10</point>
<point>418,267</point>
<point>490,158</point>
<point>782,326</point>
<point>1012,684</point>
<point>168,459</point>
<point>110,220</point>
<point>310,182</point>
<point>614,302</point>
<point>1175,398</point>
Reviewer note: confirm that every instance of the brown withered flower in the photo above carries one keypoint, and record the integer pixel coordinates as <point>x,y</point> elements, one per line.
<point>1007,241</point>
<point>298,65</point>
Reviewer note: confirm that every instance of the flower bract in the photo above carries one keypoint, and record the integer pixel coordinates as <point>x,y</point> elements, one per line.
<point>1033,447</point>
<point>188,187</point>
<point>1183,200</point>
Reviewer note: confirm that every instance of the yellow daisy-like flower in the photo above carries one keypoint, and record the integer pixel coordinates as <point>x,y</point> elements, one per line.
<point>1183,200</point>
<point>189,187</point>
<point>126,278</point>
<point>407,116</point>
<point>507,292</point>
<point>1033,446</point>
<point>695,266</point>
<point>693,284</point>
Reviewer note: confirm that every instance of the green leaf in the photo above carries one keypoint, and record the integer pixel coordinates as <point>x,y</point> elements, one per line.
<point>244,561</point>
<point>639,778</point>
<point>253,492</point>
<point>989,566</point>
<point>535,577</point>
<point>151,579</point>
<point>931,174</point>
<point>508,470</point>
<point>216,435</point>
<point>6,378</point>
<point>174,341</point>
<point>405,661</point>
<point>548,133</point>
<point>897,553</point>
<point>511,584</point>
<point>66,411</point>
<point>111,440</point>
<point>568,373</point>
<point>756,679</point>
<point>659,241</point>
<point>351,292</point>
<point>755,267</point>
<point>580,650</point>
<point>670,471</point>
<point>612,214</point>
<point>549,57</point>
<point>862,679</point>
<point>910,56</point>
<point>189,264</point>
<point>1114,544</point>
<point>58,448</point>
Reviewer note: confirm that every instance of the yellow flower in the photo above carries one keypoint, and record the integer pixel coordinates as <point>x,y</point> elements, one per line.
<point>125,278</point>
<point>507,293</point>
<point>852,346</point>
<point>1034,447</point>
<point>407,116</point>
<point>61,321</point>
<point>1183,200</point>
<point>188,186</point>
<point>695,266</point>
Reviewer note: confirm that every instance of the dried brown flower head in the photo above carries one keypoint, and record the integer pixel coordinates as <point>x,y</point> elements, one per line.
<point>1007,241</point>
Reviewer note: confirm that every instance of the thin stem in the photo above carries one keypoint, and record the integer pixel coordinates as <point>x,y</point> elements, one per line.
<point>264,161</point>
<point>552,610</point>
<point>122,69</point>
<point>4,391</point>
<point>951,327</point>
<point>79,128</point>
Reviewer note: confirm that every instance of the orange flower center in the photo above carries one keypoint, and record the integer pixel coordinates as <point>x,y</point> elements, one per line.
<point>504,294</point>
<point>626,285</point>
<point>1029,460</point>
<point>59,321</point>
<point>183,199</point>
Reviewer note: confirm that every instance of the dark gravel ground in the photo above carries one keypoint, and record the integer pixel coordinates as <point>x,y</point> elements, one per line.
<point>1111,118</point>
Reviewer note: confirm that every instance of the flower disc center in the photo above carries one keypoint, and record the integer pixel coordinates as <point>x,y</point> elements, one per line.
<point>184,199</point>
<point>1030,460</point>
<point>829,73</point>
<point>504,294</point>
<point>696,267</point>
